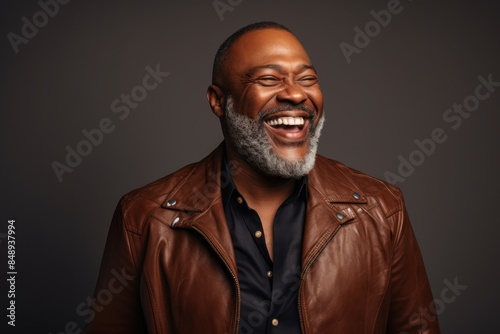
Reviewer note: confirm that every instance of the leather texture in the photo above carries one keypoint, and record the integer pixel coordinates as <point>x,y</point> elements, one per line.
<point>362,271</point>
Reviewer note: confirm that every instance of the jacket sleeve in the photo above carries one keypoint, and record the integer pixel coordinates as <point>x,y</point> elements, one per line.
<point>412,308</point>
<point>116,304</point>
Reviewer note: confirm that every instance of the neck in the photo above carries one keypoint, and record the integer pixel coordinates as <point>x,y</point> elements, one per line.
<point>257,188</point>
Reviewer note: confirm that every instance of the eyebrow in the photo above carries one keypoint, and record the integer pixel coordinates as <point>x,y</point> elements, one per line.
<point>279,68</point>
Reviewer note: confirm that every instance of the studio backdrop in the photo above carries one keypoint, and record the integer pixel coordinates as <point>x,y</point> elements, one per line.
<point>101,97</point>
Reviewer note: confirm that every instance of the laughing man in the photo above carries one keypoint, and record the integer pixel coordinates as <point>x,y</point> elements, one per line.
<point>263,235</point>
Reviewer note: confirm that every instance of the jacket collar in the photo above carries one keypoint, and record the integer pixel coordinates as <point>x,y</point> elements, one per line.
<point>200,187</point>
<point>198,201</point>
<point>332,202</point>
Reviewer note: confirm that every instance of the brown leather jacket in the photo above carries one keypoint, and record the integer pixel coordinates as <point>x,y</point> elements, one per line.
<point>169,264</point>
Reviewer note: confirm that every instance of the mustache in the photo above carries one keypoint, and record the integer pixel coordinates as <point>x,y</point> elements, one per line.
<point>286,107</point>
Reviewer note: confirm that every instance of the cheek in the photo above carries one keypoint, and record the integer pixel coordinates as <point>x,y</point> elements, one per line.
<point>316,97</point>
<point>254,100</point>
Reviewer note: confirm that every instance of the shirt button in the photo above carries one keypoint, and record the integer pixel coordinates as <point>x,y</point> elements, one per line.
<point>239,200</point>
<point>258,234</point>
<point>275,322</point>
<point>269,274</point>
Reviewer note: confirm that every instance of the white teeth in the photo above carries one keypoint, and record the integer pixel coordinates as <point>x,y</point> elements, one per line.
<point>286,121</point>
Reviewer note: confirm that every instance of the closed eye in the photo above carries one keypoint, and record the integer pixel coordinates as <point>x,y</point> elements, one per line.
<point>307,80</point>
<point>268,81</point>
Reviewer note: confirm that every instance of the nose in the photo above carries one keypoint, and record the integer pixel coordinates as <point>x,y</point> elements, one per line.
<point>292,93</point>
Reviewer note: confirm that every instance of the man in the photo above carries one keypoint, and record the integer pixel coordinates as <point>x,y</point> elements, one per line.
<point>263,236</point>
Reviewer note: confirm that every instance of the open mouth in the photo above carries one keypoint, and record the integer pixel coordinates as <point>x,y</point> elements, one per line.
<point>290,127</point>
<point>286,122</point>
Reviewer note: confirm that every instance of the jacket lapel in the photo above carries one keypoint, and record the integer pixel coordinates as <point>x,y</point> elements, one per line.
<point>198,200</point>
<point>331,204</point>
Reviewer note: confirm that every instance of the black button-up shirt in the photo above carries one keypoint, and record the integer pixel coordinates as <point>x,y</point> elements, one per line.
<point>269,290</point>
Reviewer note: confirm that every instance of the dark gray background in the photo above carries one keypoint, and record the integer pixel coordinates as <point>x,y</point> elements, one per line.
<point>395,91</point>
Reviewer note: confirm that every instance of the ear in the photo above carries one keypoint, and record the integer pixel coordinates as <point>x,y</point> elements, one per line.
<point>216,99</point>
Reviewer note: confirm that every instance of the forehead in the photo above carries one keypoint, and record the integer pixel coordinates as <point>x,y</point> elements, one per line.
<point>265,47</point>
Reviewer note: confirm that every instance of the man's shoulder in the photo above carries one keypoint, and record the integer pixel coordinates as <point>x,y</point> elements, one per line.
<point>338,181</point>
<point>138,205</point>
<point>157,191</point>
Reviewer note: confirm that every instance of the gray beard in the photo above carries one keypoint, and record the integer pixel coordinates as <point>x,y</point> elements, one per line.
<point>252,142</point>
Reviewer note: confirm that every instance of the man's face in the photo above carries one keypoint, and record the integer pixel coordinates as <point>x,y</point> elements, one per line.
<point>271,80</point>
<point>272,83</point>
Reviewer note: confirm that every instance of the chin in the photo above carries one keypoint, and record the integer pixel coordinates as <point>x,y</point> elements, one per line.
<point>292,155</point>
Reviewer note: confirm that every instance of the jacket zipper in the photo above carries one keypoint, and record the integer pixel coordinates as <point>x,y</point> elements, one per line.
<point>217,250</point>
<point>304,272</point>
